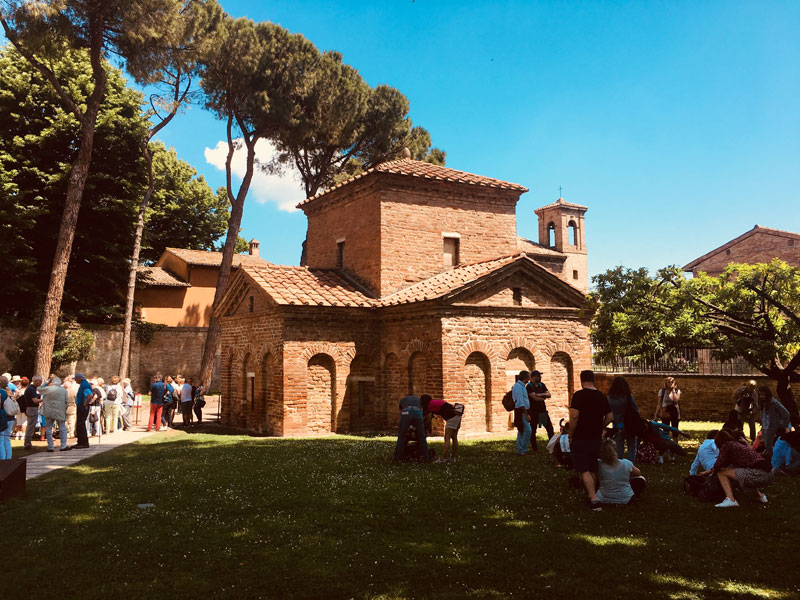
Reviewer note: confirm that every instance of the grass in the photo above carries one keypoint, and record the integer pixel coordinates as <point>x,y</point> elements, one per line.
<point>245,517</point>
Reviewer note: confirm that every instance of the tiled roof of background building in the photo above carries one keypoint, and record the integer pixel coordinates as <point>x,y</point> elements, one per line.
<point>532,247</point>
<point>159,276</point>
<point>312,287</point>
<point>448,281</point>
<point>205,258</point>
<point>424,170</point>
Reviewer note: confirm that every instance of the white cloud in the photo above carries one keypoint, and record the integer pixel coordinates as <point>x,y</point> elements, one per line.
<point>284,189</point>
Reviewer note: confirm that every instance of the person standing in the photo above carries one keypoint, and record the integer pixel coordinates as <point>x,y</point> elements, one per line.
<point>29,404</point>
<point>411,414</point>
<point>157,391</point>
<point>522,406</point>
<point>623,405</point>
<point>21,419</point>
<point>537,394</point>
<point>589,413</point>
<point>668,407</point>
<point>54,409</point>
<point>72,391</point>
<point>185,394</point>
<point>83,398</point>
<point>127,403</point>
<point>169,403</point>
<point>746,397</point>
<point>774,418</point>
<point>6,419</point>
<point>199,402</point>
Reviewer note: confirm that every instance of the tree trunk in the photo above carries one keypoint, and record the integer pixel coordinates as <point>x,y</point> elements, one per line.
<point>69,220</point>
<point>234,224</point>
<point>124,361</point>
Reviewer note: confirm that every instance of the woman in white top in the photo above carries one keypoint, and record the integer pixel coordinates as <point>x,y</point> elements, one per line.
<point>668,407</point>
<point>619,480</point>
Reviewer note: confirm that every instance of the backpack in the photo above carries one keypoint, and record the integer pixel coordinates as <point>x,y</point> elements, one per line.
<point>508,401</point>
<point>111,395</point>
<point>167,398</point>
<point>705,488</point>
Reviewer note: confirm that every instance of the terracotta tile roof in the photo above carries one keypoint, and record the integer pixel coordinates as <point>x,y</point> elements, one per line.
<point>531,247</point>
<point>424,170</point>
<point>159,276</point>
<point>563,203</point>
<point>451,280</point>
<point>312,287</point>
<point>206,258</point>
<point>756,229</point>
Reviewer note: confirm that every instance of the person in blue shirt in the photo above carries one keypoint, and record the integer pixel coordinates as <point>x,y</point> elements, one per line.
<point>707,455</point>
<point>157,391</point>
<point>82,400</point>
<point>785,454</point>
<point>521,417</point>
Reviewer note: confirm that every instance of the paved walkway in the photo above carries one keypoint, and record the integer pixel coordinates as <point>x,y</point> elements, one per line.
<point>44,462</point>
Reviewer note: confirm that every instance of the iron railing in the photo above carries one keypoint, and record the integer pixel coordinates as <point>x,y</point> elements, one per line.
<point>686,360</point>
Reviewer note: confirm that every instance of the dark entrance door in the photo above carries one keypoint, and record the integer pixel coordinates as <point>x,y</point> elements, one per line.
<point>362,406</point>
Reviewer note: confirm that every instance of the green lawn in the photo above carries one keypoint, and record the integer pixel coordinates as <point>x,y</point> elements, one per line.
<point>244,517</point>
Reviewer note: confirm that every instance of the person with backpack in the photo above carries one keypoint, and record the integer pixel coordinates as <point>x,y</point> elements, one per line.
<point>537,394</point>
<point>522,405</point>
<point>624,407</point>
<point>169,404</point>
<point>29,404</point>
<point>111,406</point>
<point>127,403</point>
<point>199,402</point>
<point>8,410</point>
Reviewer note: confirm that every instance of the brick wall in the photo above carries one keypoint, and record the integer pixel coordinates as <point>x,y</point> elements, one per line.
<point>415,214</point>
<point>703,397</point>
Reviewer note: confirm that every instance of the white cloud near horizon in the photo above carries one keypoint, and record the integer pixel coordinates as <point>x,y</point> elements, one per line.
<point>284,189</point>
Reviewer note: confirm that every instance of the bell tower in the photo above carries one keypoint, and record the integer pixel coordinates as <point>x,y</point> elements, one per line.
<point>561,228</point>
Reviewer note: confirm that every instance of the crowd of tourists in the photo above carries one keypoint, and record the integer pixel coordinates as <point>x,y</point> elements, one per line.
<point>606,437</point>
<point>80,407</point>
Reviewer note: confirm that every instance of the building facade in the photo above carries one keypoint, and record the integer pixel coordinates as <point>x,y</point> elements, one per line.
<point>758,245</point>
<point>414,281</point>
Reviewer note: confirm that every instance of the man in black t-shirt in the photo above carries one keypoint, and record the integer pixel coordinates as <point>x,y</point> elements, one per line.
<point>589,413</point>
<point>29,405</point>
<point>537,393</point>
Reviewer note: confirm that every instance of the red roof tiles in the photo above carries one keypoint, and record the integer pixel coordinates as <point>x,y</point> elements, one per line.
<point>424,170</point>
<point>303,286</point>
<point>207,258</point>
<point>158,276</point>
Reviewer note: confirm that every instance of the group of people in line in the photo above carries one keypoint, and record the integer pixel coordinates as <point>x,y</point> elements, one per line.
<point>606,437</point>
<point>81,407</point>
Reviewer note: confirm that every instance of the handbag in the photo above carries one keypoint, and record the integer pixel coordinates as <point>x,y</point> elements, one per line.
<point>11,406</point>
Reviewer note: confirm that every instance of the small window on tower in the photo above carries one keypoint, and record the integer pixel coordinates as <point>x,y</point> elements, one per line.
<point>517,294</point>
<point>574,274</point>
<point>252,303</point>
<point>551,234</point>
<point>451,245</point>
<point>791,242</point>
<point>340,254</point>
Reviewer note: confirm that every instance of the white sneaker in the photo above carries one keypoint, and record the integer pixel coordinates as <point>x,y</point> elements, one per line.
<point>727,503</point>
<point>762,497</point>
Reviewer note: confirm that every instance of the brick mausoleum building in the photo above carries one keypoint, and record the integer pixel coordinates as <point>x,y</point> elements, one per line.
<point>414,281</point>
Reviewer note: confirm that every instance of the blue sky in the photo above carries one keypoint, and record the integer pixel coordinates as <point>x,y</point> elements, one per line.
<point>676,123</point>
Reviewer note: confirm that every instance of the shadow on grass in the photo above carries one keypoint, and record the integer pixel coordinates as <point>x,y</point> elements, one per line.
<point>334,517</point>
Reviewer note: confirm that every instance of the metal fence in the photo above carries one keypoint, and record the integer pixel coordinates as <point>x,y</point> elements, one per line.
<point>687,360</point>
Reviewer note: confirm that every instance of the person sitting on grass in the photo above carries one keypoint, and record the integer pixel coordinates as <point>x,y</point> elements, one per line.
<point>739,463</point>
<point>558,446</point>
<point>619,480</point>
<point>707,454</point>
<point>786,454</point>
<point>734,426</point>
<point>655,441</point>
<point>451,415</point>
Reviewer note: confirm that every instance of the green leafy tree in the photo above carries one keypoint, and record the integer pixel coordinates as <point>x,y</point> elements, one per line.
<point>750,311</point>
<point>72,343</point>
<point>45,31</point>
<point>340,126</point>
<point>251,74</point>
<point>36,152</point>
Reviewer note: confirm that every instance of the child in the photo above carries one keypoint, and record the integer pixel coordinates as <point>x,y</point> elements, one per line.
<point>451,415</point>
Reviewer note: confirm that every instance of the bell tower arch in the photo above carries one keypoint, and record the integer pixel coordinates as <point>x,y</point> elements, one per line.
<point>561,227</point>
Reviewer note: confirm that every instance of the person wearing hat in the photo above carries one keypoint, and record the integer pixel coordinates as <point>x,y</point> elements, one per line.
<point>21,420</point>
<point>537,394</point>
<point>10,386</point>
<point>83,399</point>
